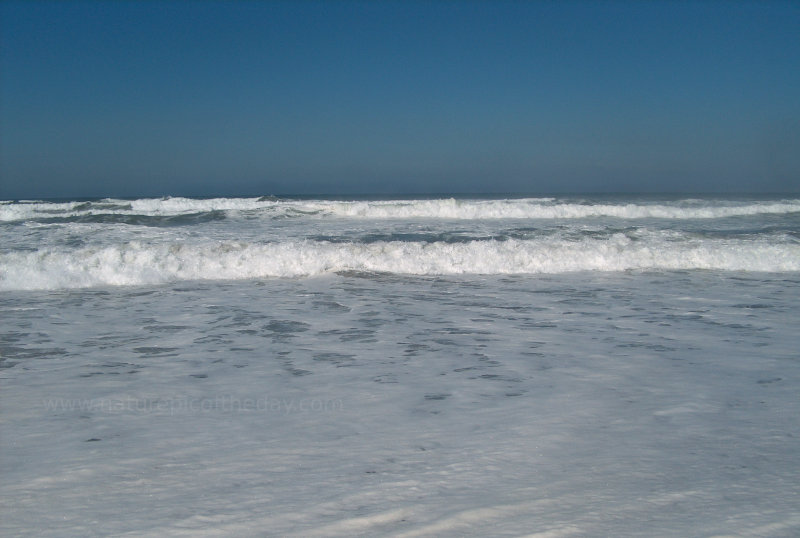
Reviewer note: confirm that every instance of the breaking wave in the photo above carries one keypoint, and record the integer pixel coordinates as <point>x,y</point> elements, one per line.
<point>139,263</point>
<point>137,211</point>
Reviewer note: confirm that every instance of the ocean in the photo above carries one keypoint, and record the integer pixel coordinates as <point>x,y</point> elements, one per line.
<point>504,366</point>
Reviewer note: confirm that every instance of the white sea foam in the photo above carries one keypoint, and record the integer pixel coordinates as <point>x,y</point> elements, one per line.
<point>178,205</point>
<point>141,263</point>
<point>522,208</point>
<point>542,209</point>
<point>481,405</point>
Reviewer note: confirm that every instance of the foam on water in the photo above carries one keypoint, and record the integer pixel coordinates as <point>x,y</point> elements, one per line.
<point>542,209</point>
<point>592,404</point>
<point>519,208</point>
<point>52,245</point>
<point>142,263</point>
<point>455,367</point>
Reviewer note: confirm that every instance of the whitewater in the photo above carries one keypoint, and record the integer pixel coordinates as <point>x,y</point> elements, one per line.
<point>430,366</point>
<point>117,242</point>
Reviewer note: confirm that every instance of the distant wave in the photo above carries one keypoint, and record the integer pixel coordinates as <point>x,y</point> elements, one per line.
<point>523,208</point>
<point>140,263</point>
<point>135,219</point>
<point>543,209</point>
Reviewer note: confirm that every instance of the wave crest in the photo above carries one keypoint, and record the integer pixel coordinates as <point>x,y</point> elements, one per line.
<point>521,208</point>
<point>139,263</point>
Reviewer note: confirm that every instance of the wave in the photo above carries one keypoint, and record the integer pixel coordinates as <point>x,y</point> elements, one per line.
<point>544,209</point>
<point>522,208</point>
<point>137,219</point>
<point>141,263</point>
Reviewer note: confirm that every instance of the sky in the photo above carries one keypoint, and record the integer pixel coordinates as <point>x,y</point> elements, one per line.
<point>203,98</point>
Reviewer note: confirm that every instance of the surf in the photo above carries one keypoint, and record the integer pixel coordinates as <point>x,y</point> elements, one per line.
<point>138,263</point>
<point>442,208</point>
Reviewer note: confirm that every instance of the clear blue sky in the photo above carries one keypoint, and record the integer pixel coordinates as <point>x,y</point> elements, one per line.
<point>204,98</point>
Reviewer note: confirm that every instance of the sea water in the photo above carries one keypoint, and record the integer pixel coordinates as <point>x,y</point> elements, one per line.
<point>589,366</point>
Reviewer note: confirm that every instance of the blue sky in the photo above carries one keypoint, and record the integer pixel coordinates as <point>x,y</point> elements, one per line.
<point>232,98</point>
